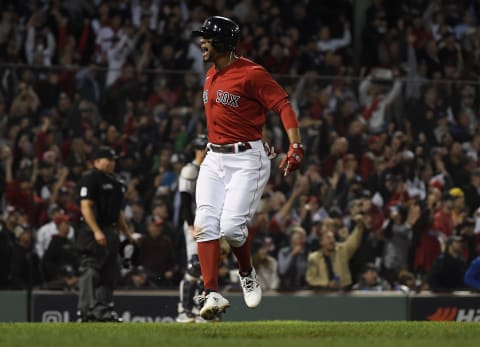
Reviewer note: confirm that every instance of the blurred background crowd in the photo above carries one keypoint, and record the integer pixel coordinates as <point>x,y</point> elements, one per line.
<point>387,98</point>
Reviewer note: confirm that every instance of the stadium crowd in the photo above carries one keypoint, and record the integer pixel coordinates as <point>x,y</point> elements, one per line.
<point>389,194</point>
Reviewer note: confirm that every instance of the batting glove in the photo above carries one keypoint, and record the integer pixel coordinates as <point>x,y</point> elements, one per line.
<point>293,160</point>
<point>270,151</point>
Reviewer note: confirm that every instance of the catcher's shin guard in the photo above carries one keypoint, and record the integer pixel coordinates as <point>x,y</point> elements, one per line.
<point>188,289</point>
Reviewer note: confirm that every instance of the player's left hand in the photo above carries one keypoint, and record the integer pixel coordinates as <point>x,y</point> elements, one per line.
<point>293,160</point>
<point>270,151</point>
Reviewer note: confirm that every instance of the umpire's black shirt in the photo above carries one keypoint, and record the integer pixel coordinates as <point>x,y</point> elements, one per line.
<point>106,191</point>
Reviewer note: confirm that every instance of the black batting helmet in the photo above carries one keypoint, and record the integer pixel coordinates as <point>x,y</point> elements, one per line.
<point>223,31</point>
<point>200,142</point>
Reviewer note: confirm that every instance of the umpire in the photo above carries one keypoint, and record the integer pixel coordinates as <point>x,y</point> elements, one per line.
<point>101,196</point>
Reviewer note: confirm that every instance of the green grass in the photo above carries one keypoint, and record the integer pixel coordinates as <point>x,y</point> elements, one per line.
<point>255,334</point>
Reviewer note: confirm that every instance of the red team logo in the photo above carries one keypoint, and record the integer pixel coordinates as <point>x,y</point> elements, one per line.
<point>444,314</point>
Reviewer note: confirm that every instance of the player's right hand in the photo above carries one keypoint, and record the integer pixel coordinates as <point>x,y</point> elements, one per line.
<point>100,238</point>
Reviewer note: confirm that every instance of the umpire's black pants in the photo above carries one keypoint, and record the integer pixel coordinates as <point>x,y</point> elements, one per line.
<point>99,267</point>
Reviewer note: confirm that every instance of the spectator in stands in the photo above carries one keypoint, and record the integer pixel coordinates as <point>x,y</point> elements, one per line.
<point>472,275</point>
<point>281,209</point>
<point>369,248</point>
<point>328,267</point>
<point>425,240</point>
<point>338,149</point>
<point>370,280</point>
<point>161,211</point>
<point>145,9</point>
<point>472,192</point>
<point>7,241</point>
<point>40,42</point>
<point>448,270</point>
<point>443,222</point>
<point>137,218</point>
<point>376,93</point>
<point>416,71</point>
<point>292,261</point>
<point>118,53</point>
<point>458,205</point>
<point>157,254</point>
<point>25,268</point>
<point>374,37</point>
<point>406,282</point>
<point>19,191</point>
<point>45,232</point>
<point>327,44</point>
<point>265,265</point>
<point>26,101</point>
<point>137,278</point>
<point>60,254</point>
<point>397,232</point>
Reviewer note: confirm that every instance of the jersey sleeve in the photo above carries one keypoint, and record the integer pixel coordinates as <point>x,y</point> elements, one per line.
<point>265,89</point>
<point>88,187</point>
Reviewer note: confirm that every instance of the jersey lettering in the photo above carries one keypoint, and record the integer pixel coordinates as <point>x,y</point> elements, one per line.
<point>83,192</point>
<point>205,96</point>
<point>226,98</point>
<point>233,100</point>
<point>107,186</point>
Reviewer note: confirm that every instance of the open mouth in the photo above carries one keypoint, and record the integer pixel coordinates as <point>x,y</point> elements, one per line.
<point>205,52</point>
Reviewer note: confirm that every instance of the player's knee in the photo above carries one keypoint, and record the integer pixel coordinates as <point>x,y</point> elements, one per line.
<point>235,232</point>
<point>206,226</point>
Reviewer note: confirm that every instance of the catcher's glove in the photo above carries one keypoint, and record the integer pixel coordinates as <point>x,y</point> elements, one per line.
<point>293,160</point>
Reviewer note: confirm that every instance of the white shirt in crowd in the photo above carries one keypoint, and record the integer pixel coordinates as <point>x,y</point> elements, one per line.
<point>44,236</point>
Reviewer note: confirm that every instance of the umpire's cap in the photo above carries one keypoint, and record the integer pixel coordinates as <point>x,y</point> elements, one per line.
<point>105,152</point>
<point>223,31</point>
<point>200,142</point>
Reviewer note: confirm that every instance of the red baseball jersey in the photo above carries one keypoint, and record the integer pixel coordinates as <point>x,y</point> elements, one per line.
<point>237,99</point>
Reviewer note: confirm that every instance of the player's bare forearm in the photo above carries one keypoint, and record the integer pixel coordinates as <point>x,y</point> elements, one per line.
<point>123,226</point>
<point>86,207</point>
<point>294,135</point>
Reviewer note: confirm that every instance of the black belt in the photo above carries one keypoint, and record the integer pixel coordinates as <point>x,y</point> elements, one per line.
<point>101,225</point>
<point>230,148</point>
<point>108,226</point>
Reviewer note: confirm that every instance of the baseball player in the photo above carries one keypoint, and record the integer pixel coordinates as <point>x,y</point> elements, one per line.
<point>191,283</point>
<point>237,94</point>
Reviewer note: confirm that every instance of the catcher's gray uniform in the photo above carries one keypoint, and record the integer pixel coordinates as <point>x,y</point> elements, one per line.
<point>187,185</point>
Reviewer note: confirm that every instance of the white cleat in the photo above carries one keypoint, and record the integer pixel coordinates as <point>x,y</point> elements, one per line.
<point>185,318</point>
<point>199,319</point>
<point>214,305</point>
<point>252,292</point>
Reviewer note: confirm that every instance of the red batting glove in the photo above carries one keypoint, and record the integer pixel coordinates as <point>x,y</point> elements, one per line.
<point>293,160</point>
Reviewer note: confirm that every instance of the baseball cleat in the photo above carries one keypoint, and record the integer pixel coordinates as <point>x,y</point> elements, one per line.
<point>185,317</point>
<point>214,304</point>
<point>252,292</point>
<point>199,319</point>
